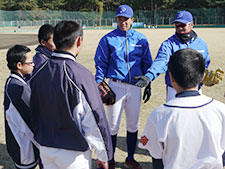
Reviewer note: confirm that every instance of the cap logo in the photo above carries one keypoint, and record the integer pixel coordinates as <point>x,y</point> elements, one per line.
<point>122,10</point>
<point>180,15</point>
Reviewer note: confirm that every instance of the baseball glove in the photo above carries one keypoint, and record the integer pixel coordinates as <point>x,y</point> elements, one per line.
<point>213,77</point>
<point>106,93</point>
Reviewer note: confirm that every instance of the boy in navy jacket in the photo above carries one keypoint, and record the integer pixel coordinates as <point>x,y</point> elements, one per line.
<point>19,137</point>
<point>46,47</point>
<point>68,115</point>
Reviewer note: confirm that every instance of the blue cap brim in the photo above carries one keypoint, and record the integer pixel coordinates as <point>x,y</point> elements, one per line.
<point>127,16</point>
<point>181,21</point>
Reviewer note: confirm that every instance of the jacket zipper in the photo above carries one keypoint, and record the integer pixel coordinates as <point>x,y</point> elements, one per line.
<point>128,66</point>
<point>188,44</point>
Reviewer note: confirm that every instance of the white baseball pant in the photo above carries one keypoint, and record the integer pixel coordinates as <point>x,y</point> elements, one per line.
<point>55,158</point>
<point>128,97</point>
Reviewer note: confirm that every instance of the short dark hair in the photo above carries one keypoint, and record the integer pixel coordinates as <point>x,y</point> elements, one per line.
<point>65,34</point>
<point>45,32</point>
<point>16,54</point>
<point>187,67</point>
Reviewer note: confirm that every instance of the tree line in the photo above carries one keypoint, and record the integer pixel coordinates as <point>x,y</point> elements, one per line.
<point>107,5</point>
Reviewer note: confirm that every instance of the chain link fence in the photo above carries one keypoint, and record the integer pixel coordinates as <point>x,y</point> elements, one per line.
<point>203,16</point>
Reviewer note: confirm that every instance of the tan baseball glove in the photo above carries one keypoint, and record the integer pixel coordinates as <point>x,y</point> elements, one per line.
<point>213,77</point>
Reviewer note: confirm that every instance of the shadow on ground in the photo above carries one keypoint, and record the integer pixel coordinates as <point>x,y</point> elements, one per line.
<point>145,165</point>
<point>7,163</point>
<point>121,141</point>
<point>5,160</point>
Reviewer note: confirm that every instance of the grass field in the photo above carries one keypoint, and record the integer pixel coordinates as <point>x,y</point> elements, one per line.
<point>215,40</point>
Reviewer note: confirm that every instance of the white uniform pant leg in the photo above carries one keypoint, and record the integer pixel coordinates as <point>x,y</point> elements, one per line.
<point>132,107</point>
<point>115,111</point>
<point>54,158</point>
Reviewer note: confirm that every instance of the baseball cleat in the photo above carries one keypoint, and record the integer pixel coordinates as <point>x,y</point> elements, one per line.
<point>132,164</point>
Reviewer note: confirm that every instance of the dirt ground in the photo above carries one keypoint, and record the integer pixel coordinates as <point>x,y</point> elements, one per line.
<point>213,36</point>
<point>8,40</point>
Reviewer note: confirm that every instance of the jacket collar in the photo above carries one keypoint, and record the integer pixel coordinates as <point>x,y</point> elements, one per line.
<point>194,36</point>
<point>123,33</point>
<point>189,102</point>
<point>17,76</point>
<point>188,93</point>
<point>63,54</point>
<point>43,50</point>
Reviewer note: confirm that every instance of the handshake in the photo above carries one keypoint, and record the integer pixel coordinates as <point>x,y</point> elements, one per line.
<point>213,77</point>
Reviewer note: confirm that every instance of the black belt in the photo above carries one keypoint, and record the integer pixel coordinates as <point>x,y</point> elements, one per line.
<point>170,85</point>
<point>119,81</point>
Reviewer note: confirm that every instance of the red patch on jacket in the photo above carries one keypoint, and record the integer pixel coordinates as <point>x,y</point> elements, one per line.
<point>144,140</point>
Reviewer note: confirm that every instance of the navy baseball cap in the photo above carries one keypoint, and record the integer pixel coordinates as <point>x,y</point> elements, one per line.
<point>183,17</point>
<point>124,10</point>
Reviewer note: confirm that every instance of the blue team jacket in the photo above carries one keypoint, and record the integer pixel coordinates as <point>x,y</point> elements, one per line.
<point>172,45</point>
<point>122,55</point>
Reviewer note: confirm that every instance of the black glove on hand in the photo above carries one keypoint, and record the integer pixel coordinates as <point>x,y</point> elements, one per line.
<point>143,81</point>
<point>147,93</point>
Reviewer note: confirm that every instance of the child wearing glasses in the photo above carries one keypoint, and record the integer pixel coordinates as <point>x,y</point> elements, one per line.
<point>19,137</point>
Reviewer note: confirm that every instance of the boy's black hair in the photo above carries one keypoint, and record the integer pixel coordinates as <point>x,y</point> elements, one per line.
<point>16,54</point>
<point>65,34</point>
<point>45,32</point>
<point>187,67</point>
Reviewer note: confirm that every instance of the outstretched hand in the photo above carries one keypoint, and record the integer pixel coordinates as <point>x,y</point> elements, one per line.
<point>143,81</point>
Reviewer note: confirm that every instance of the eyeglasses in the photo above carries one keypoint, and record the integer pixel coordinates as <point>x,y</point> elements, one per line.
<point>181,25</point>
<point>28,63</point>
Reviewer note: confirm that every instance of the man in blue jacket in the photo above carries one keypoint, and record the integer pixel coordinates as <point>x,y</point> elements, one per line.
<point>184,37</point>
<point>123,56</point>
